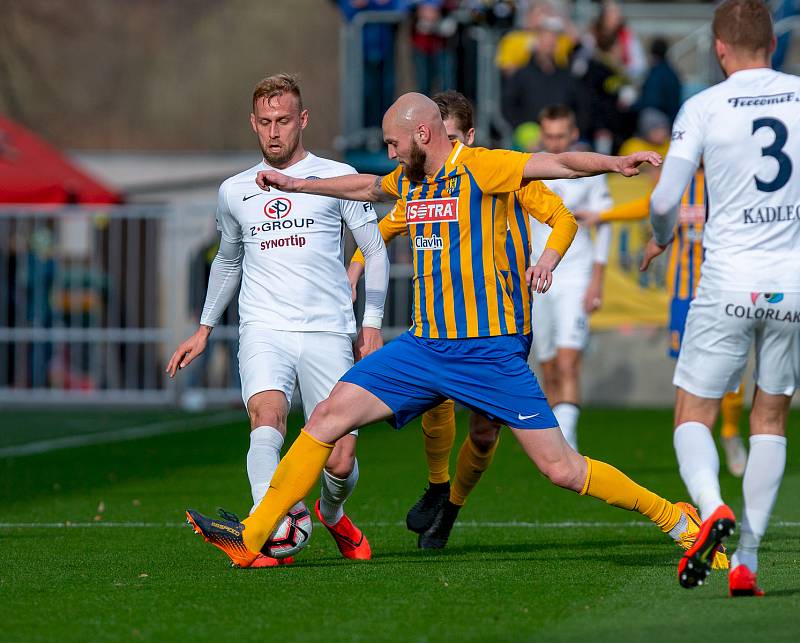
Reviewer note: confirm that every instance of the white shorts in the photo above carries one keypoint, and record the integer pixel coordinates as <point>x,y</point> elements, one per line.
<point>558,319</point>
<point>721,327</point>
<point>274,360</point>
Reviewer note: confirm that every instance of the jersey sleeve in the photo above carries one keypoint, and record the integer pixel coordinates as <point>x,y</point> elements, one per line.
<point>391,226</point>
<point>227,224</point>
<point>687,132</point>
<point>539,201</point>
<point>497,171</point>
<point>391,182</point>
<point>356,213</point>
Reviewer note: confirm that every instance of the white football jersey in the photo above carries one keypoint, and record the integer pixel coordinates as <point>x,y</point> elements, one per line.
<point>588,194</point>
<point>747,132</point>
<point>293,275</point>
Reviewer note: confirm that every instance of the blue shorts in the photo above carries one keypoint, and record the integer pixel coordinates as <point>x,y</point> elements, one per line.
<point>489,375</point>
<point>678,310</point>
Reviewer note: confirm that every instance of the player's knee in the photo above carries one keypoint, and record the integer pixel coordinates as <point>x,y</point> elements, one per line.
<point>266,415</point>
<point>324,423</point>
<point>563,473</point>
<point>483,432</point>
<point>767,420</point>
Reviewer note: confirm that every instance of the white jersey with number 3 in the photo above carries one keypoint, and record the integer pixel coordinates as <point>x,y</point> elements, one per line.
<point>293,275</point>
<point>746,130</point>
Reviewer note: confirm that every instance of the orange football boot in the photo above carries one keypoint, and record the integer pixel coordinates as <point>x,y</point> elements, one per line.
<point>350,540</point>
<point>695,565</point>
<point>688,537</point>
<point>742,582</point>
<point>268,561</point>
<point>223,534</point>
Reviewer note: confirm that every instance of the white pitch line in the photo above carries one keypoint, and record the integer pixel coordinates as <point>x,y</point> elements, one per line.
<point>783,524</point>
<point>122,435</point>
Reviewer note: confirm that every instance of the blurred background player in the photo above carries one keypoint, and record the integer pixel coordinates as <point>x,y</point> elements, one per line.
<point>745,130</point>
<point>561,315</point>
<point>683,274</point>
<point>434,514</point>
<point>296,319</point>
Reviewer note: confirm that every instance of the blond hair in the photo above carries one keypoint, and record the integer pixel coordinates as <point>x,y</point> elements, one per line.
<point>277,85</point>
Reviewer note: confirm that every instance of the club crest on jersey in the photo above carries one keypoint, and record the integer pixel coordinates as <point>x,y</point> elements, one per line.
<point>432,210</point>
<point>278,207</point>
<point>452,184</point>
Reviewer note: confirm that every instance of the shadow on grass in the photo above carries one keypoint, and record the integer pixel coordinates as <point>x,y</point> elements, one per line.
<point>548,552</point>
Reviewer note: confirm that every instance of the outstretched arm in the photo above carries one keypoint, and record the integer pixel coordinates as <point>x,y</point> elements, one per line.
<point>665,205</point>
<point>354,187</point>
<point>573,165</point>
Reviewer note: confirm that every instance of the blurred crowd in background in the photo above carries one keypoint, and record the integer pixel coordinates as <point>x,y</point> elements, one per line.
<point>624,91</point>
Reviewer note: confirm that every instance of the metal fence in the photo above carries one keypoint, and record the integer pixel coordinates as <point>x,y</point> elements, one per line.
<point>81,308</point>
<point>93,300</point>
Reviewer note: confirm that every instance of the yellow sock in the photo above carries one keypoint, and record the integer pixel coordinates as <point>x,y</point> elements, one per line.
<point>612,486</point>
<point>439,431</point>
<point>293,479</point>
<point>732,404</point>
<point>471,464</point>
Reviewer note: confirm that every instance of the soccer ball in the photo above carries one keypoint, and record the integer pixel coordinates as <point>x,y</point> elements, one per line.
<point>291,535</point>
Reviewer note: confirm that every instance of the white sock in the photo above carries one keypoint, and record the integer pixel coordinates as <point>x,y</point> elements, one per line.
<point>335,491</point>
<point>677,530</point>
<point>262,460</point>
<point>567,415</point>
<point>762,479</point>
<point>699,465</point>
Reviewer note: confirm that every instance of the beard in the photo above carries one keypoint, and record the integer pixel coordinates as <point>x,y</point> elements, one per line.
<point>279,159</point>
<point>415,168</point>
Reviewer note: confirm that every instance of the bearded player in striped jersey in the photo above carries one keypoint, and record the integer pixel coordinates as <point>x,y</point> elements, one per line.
<point>435,513</point>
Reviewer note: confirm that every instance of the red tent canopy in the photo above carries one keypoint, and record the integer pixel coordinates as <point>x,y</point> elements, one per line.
<point>32,171</point>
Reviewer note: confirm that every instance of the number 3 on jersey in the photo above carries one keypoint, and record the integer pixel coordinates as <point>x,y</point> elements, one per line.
<point>775,150</point>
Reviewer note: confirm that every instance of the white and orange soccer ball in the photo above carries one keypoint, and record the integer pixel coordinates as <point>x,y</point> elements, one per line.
<point>291,535</point>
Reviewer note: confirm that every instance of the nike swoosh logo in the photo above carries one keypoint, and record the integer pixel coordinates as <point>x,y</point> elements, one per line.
<point>526,417</point>
<point>244,198</point>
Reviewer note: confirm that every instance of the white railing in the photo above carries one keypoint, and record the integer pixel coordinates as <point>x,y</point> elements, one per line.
<point>93,300</point>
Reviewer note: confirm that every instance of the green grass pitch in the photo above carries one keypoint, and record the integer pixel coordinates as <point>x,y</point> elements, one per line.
<point>572,569</point>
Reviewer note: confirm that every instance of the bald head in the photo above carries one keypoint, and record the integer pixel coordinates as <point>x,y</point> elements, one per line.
<point>416,136</point>
<point>412,110</point>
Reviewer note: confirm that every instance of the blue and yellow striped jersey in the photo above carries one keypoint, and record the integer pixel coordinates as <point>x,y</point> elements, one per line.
<point>534,199</point>
<point>458,222</point>
<point>686,255</point>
